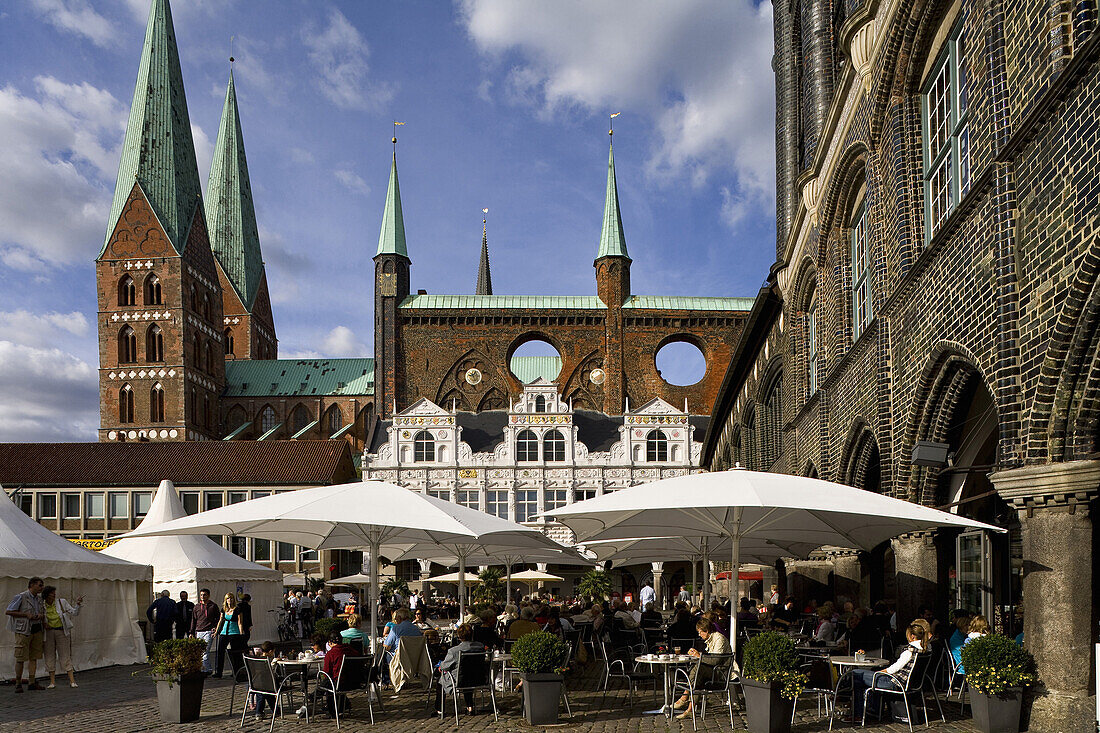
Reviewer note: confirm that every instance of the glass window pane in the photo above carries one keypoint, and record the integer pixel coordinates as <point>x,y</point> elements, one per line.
<point>190,502</point>
<point>527,446</point>
<point>212,500</point>
<point>142,500</point>
<point>236,497</point>
<point>261,550</point>
<point>238,546</point>
<point>26,504</point>
<point>496,502</point>
<point>286,552</point>
<point>444,494</point>
<point>583,494</point>
<point>467,498</point>
<point>556,498</point>
<point>71,506</point>
<point>119,506</point>
<point>47,506</point>
<point>309,555</point>
<point>554,446</point>
<point>526,504</point>
<point>424,446</point>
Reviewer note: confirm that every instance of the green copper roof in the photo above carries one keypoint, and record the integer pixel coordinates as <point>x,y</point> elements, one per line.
<point>158,150</point>
<point>391,240</point>
<point>612,240</point>
<point>687,303</point>
<point>530,368</point>
<point>448,302</point>
<point>484,277</point>
<point>298,377</point>
<point>230,216</point>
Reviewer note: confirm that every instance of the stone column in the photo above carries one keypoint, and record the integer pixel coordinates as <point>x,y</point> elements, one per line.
<point>917,571</point>
<point>1053,504</point>
<point>846,576</point>
<point>658,569</point>
<point>425,573</point>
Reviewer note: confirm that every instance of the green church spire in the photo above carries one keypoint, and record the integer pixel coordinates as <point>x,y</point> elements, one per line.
<point>612,240</point>
<point>391,240</point>
<point>158,151</point>
<point>230,214</point>
<point>484,277</point>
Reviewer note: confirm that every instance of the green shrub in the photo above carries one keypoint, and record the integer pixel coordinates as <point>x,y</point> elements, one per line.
<point>176,657</point>
<point>594,585</point>
<point>539,652</point>
<point>771,657</point>
<point>995,663</point>
<point>327,626</point>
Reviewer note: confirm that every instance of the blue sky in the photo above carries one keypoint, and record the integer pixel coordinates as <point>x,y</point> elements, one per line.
<point>505,105</point>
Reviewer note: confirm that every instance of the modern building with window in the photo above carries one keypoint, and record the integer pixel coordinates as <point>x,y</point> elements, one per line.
<point>539,454</point>
<point>929,328</point>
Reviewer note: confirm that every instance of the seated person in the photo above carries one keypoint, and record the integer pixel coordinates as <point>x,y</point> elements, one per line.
<point>978,627</point>
<point>682,630</point>
<point>651,618</point>
<point>826,629</point>
<point>715,643</point>
<point>787,615</point>
<point>746,616</point>
<point>623,617</point>
<point>485,633</point>
<point>926,613</point>
<point>449,663</point>
<point>960,620</point>
<point>257,701</point>
<point>862,679</point>
<point>861,634</point>
<point>353,632</point>
<point>524,625</point>
<point>334,659</point>
<point>420,618</point>
<point>402,626</point>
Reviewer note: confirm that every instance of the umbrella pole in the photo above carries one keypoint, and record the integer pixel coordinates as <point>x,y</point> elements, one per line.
<point>735,552</point>
<point>508,585</point>
<point>694,576</point>
<point>461,588</point>
<point>374,548</point>
<point>706,576</point>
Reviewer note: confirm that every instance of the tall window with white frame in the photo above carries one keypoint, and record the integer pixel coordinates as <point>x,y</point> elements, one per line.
<point>811,347</point>
<point>946,132</point>
<point>527,446</point>
<point>496,502</point>
<point>423,447</point>
<point>656,446</point>
<point>527,505</point>
<point>861,273</point>
<point>553,445</point>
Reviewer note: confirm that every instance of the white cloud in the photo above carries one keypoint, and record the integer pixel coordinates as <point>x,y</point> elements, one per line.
<point>340,54</point>
<point>77,17</point>
<point>57,166</point>
<point>45,329</point>
<point>352,181</point>
<point>341,341</point>
<point>48,394</point>
<point>700,70</point>
<point>301,156</point>
<point>287,271</point>
<point>204,153</point>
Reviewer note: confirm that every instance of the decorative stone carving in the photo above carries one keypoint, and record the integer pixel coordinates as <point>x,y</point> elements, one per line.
<point>861,50</point>
<point>811,197</point>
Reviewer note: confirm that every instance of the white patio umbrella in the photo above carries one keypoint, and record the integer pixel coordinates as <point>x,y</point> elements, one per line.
<point>455,578</point>
<point>382,518</point>
<point>504,548</point>
<point>752,507</point>
<point>536,576</point>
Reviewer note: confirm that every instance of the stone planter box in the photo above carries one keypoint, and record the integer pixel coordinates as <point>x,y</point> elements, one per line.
<point>180,698</point>
<point>541,696</point>
<point>766,709</point>
<point>997,713</point>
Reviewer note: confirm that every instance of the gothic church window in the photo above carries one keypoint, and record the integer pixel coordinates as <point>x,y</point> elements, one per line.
<point>771,446</point>
<point>299,419</point>
<point>656,446</point>
<point>229,342</point>
<point>127,292</point>
<point>126,404</point>
<point>423,447</point>
<point>946,137</point>
<point>861,273</point>
<point>156,403</point>
<point>209,356</point>
<point>267,419</point>
<point>527,446</point>
<point>152,290</point>
<point>811,347</point>
<point>127,345</point>
<point>335,420</point>
<point>553,446</point>
<point>154,344</point>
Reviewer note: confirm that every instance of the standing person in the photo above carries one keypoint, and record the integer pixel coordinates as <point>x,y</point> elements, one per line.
<point>414,600</point>
<point>185,610</point>
<point>58,646</point>
<point>228,633</point>
<point>244,618</point>
<point>773,597</point>
<point>162,614</point>
<point>204,625</point>
<point>647,594</point>
<point>684,596</point>
<point>26,618</point>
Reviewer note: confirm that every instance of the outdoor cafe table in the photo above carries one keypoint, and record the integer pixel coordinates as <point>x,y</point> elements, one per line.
<point>846,666</point>
<point>304,666</point>
<point>669,662</point>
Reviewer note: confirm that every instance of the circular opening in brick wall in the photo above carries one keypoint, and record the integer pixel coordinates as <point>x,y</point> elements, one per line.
<point>535,358</point>
<point>681,363</point>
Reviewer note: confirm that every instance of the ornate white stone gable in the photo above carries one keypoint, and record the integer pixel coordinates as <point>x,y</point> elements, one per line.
<point>424,419</point>
<point>658,433</point>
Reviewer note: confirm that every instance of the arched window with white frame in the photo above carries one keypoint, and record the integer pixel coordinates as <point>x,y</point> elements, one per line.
<point>423,447</point>
<point>127,345</point>
<point>125,404</point>
<point>527,446</point>
<point>540,403</point>
<point>861,272</point>
<point>553,446</point>
<point>154,344</point>
<point>127,291</point>
<point>656,446</point>
<point>152,290</point>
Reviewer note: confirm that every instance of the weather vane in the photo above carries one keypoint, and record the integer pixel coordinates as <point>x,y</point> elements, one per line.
<point>395,124</point>
<point>611,130</point>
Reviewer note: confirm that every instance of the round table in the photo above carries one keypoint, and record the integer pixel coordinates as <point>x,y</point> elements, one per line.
<point>673,660</point>
<point>291,666</point>
<point>847,665</point>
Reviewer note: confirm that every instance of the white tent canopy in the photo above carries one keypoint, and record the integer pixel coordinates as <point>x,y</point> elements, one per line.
<point>536,576</point>
<point>106,632</point>
<point>192,562</point>
<point>455,578</point>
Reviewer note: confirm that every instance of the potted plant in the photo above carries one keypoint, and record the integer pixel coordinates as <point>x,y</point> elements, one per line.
<point>176,666</point>
<point>594,585</point>
<point>997,670</point>
<point>771,681</point>
<point>539,657</point>
<point>327,626</point>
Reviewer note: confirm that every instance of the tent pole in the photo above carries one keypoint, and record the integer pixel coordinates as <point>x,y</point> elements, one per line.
<point>706,576</point>
<point>695,575</point>
<point>735,552</point>
<point>508,584</point>
<point>461,588</point>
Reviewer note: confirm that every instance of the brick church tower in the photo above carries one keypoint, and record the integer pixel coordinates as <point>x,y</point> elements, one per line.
<point>391,287</point>
<point>613,288</point>
<point>248,325</point>
<point>162,365</point>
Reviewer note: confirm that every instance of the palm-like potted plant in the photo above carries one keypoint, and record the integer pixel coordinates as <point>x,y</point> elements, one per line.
<point>539,657</point>
<point>771,681</point>
<point>490,589</point>
<point>997,671</point>
<point>176,666</point>
<point>594,585</point>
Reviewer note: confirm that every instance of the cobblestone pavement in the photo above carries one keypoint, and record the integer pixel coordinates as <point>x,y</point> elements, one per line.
<point>117,699</point>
